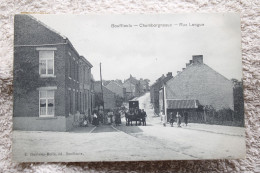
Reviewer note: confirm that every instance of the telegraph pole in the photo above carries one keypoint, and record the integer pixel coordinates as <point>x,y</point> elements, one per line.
<point>130,87</point>
<point>102,95</point>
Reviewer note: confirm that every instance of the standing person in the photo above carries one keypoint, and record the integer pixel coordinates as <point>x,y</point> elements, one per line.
<point>114,116</point>
<point>144,115</point>
<point>178,117</point>
<point>100,116</point>
<point>186,118</point>
<point>160,114</point>
<point>85,121</point>
<point>163,118</point>
<point>109,115</point>
<point>95,119</point>
<point>117,118</point>
<point>121,114</point>
<point>171,119</point>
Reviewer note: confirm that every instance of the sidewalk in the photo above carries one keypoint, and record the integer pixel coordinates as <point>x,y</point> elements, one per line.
<point>154,120</point>
<point>218,129</point>
<point>227,130</point>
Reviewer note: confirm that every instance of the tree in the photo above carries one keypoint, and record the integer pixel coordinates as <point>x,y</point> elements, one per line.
<point>238,100</point>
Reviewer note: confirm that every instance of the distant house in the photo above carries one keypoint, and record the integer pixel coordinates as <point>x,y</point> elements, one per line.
<point>155,88</point>
<point>108,96</point>
<point>132,86</point>
<point>58,78</point>
<point>135,87</point>
<point>106,82</point>
<point>196,85</point>
<point>117,88</point>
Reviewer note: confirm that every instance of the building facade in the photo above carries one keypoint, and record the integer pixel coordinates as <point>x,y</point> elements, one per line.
<point>155,91</point>
<point>117,88</point>
<point>135,87</point>
<point>86,89</point>
<point>55,85</point>
<point>198,83</point>
<point>109,97</point>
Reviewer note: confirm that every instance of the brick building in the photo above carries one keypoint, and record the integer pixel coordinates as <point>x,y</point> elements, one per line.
<point>109,97</point>
<point>117,88</point>
<point>197,84</point>
<point>86,87</point>
<point>58,78</point>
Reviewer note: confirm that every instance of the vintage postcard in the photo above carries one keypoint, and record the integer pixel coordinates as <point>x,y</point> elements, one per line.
<point>127,88</point>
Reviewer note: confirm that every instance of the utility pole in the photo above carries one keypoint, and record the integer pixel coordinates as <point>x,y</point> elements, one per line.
<point>130,87</point>
<point>102,95</point>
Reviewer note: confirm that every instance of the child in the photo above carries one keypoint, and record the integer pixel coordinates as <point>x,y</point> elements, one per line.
<point>171,120</point>
<point>178,116</point>
<point>163,116</point>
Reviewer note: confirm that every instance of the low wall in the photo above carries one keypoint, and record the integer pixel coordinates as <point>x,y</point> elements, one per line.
<point>58,123</point>
<point>69,122</point>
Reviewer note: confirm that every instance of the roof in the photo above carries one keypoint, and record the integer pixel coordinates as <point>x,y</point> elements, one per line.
<point>64,37</point>
<point>182,104</point>
<point>116,83</point>
<point>132,80</point>
<point>86,61</point>
<point>97,88</point>
<point>194,65</point>
<point>161,80</point>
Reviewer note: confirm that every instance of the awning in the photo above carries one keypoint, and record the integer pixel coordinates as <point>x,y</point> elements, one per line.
<point>182,104</point>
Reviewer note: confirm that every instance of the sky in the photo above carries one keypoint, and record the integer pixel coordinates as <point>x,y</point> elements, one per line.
<point>149,52</point>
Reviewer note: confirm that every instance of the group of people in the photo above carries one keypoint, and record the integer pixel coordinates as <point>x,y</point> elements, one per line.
<point>114,117</point>
<point>111,117</point>
<point>172,118</point>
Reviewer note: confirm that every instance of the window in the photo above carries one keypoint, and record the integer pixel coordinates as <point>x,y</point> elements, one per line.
<point>69,66</point>
<point>72,68</point>
<point>76,101</point>
<point>80,101</point>
<point>71,102</point>
<point>46,58</point>
<point>75,70</point>
<point>46,102</point>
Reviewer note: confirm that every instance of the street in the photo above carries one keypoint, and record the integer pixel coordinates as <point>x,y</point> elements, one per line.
<point>121,143</point>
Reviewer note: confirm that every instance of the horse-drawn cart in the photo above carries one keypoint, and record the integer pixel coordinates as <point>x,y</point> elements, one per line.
<point>134,114</point>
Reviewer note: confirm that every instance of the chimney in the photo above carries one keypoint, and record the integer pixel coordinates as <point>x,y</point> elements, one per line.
<point>169,74</point>
<point>183,69</point>
<point>191,62</point>
<point>197,59</point>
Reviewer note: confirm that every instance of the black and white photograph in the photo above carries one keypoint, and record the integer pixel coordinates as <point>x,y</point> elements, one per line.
<point>138,87</point>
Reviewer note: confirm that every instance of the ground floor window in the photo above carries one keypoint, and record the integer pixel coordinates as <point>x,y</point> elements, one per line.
<point>46,102</point>
<point>71,101</point>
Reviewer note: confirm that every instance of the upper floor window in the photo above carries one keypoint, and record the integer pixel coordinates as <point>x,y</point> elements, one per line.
<point>46,59</point>
<point>69,67</point>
